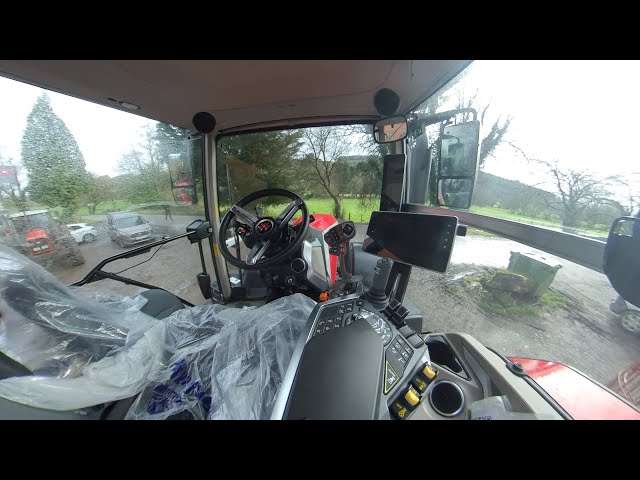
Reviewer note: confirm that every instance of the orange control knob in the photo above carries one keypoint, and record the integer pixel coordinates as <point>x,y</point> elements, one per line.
<point>324,296</point>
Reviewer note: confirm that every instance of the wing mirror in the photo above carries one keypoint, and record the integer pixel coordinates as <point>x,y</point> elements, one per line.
<point>390,129</point>
<point>458,164</point>
<point>622,258</point>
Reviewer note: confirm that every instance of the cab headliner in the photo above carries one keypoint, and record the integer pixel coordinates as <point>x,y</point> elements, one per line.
<point>240,94</point>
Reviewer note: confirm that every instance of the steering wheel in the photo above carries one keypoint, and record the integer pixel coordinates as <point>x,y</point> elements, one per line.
<point>266,234</point>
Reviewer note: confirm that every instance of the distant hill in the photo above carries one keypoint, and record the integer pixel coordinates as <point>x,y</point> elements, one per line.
<point>494,191</point>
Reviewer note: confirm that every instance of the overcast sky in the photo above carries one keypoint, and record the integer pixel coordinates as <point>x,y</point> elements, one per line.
<point>582,113</point>
<point>103,134</point>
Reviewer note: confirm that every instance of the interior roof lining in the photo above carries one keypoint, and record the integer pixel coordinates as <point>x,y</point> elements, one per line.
<point>235,122</point>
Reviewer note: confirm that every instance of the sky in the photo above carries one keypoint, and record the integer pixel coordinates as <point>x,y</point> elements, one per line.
<point>582,113</point>
<point>103,134</point>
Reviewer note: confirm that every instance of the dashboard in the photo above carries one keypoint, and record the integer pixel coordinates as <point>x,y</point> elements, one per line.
<point>359,360</point>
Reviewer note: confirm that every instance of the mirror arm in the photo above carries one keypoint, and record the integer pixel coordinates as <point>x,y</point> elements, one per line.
<point>425,120</point>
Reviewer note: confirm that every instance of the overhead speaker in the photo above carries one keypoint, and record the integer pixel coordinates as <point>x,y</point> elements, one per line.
<point>386,102</point>
<point>204,122</point>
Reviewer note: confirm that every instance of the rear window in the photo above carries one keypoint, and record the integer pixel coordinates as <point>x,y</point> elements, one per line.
<point>23,224</point>
<point>126,222</point>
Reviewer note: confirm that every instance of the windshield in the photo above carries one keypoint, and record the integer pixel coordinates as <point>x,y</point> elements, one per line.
<point>127,222</point>
<point>539,165</point>
<point>336,170</point>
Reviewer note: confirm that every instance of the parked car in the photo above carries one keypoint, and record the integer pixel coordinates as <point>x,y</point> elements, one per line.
<point>83,232</point>
<point>128,228</point>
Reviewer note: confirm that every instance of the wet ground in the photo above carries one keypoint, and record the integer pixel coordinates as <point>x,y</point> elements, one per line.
<point>173,267</point>
<point>584,334</point>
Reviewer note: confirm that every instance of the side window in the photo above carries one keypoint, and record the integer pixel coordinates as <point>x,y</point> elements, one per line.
<point>538,166</point>
<point>80,174</point>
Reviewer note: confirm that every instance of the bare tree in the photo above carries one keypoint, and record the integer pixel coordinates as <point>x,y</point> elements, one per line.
<point>527,201</point>
<point>630,201</point>
<point>575,190</point>
<point>497,131</point>
<point>323,146</point>
<point>144,162</point>
<point>102,189</point>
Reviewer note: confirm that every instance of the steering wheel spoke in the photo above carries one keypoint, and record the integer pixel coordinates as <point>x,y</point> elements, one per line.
<point>257,252</point>
<point>287,214</point>
<point>244,216</point>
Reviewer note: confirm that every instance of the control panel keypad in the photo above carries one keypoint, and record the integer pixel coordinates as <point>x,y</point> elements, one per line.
<point>336,316</point>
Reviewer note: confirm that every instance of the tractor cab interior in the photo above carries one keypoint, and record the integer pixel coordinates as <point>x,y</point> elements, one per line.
<point>306,300</point>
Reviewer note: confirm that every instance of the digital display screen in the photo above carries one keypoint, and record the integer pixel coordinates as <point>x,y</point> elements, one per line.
<point>392,181</point>
<point>415,238</point>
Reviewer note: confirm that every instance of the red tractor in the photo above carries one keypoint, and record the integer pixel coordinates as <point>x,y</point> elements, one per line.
<point>36,234</point>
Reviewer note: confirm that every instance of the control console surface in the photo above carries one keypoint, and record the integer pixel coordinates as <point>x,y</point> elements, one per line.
<point>349,347</point>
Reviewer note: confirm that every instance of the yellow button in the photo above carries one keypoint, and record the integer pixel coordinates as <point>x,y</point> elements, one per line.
<point>412,398</point>
<point>429,372</point>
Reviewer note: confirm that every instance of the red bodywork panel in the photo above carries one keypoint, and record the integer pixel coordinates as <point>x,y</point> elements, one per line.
<point>333,263</point>
<point>36,234</point>
<point>322,221</point>
<point>37,237</point>
<point>579,396</point>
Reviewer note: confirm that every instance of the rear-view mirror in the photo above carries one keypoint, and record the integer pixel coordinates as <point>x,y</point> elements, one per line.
<point>390,129</point>
<point>622,258</point>
<point>458,163</point>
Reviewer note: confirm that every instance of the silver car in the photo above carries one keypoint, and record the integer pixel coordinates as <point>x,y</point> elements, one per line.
<point>128,228</point>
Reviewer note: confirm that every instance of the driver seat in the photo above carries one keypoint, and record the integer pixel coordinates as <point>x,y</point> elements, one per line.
<point>160,304</point>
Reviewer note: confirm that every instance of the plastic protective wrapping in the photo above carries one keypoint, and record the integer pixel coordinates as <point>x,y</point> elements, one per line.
<point>81,352</point>
<point>226,363</point>
<point>209,361</point>
<point>55,332</point>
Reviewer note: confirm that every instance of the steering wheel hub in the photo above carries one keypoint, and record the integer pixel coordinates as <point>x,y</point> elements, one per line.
<point>264,227</point>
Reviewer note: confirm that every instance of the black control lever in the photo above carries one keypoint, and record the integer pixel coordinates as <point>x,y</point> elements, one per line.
<point>377,293</point>
<point>198,230</point>
<point>338,238</point>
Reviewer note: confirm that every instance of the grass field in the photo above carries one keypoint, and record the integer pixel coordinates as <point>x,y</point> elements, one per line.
<point>352,209</point>
<point>508,215</point>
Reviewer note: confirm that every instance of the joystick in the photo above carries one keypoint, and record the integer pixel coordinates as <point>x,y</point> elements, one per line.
<point>338,238</point>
